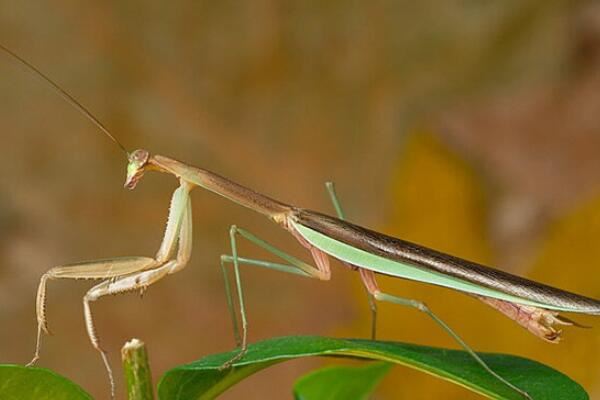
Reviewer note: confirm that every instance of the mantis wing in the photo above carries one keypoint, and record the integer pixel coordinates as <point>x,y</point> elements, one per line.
<point>391,256</point>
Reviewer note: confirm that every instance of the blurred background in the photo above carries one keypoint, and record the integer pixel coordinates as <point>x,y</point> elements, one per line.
<point>470,126</point>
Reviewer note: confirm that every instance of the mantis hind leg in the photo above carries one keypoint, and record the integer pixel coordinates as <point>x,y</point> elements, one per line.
<point>340,213</point>
<point>293,266</point>
<point>368,278</point>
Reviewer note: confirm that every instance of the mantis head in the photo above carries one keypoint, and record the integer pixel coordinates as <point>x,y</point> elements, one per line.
<point>138,162</point>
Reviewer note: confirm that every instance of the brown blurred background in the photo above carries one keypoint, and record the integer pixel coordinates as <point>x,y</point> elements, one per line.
<point>469,126</point>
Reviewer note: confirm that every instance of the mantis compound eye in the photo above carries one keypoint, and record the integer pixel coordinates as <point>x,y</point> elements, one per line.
<point>139,156</point>
<point>135,169</point>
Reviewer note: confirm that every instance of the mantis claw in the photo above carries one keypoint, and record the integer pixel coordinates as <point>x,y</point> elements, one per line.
<point>33,361</point>
<point>229,363</point>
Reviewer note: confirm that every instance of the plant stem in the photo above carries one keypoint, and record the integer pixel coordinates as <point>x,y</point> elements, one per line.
<point>137,370</point>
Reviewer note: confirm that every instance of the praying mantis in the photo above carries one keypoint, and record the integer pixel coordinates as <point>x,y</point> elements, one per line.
<point>531,304</point>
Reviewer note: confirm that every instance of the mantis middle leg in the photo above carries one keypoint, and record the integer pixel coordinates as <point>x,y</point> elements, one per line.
<point>295,266</point>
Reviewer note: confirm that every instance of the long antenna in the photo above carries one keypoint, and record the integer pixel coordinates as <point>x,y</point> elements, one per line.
<point>66,96</point>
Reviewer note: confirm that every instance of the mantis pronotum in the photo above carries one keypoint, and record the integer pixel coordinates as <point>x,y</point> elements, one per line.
<point>533,305</point>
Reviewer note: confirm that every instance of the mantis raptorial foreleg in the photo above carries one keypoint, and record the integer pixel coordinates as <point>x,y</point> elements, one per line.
<point>127,273</point>
<point>109,268</point>
<point>368,278</point>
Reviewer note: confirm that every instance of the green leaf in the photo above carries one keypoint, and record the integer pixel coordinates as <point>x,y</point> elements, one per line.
<point>203,379</point>
<point>29,383</point>
<point>341,382</point>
